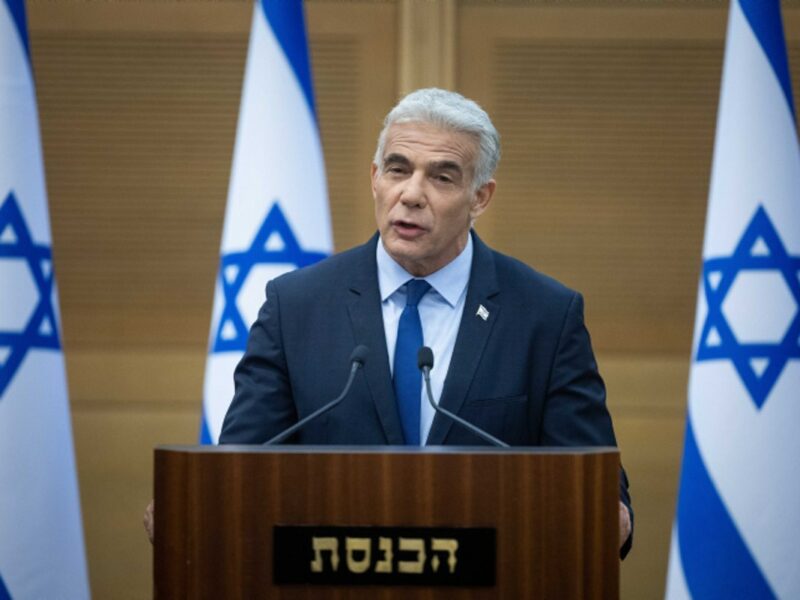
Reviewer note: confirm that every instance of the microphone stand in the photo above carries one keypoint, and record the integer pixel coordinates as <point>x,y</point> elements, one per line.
<point>357,359</point>
<point>426,373</point>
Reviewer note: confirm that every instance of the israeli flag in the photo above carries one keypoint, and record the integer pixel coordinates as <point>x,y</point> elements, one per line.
<point>41,537</point>
<point>737,528</point>
<point>277,216</point>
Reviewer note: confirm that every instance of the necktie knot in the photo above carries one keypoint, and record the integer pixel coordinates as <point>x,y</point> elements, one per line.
<point>415,290</point>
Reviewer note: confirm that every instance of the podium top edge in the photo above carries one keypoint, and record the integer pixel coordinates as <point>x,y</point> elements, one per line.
<point>433,450</point>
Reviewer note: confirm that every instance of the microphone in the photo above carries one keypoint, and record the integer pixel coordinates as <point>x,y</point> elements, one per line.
<point>425,363</point>
<point>357,359</point>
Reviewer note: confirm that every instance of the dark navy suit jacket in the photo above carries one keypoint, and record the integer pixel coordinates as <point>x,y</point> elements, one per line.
<point>526,374</point>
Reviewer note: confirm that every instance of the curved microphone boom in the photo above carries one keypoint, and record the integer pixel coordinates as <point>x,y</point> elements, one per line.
<point>357,359</point>
<point>425,364</point>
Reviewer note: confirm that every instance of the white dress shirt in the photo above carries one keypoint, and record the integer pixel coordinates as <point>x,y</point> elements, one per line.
<point>439,310</point>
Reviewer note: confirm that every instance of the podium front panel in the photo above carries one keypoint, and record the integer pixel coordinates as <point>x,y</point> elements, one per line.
<point>553,514</point>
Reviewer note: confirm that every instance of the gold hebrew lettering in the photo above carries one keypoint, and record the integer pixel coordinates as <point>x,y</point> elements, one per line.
<point>445,545</point>
<point>354,545</point>
<point>414,545</point>
<point>324,544</point>
<point>385,564</point>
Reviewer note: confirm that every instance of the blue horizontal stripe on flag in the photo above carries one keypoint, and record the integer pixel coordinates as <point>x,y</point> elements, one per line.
<point>17,10</point>
<point>287,21</point>
<point>4,595</point>
<point>764,17</point>
<point>716,561</point>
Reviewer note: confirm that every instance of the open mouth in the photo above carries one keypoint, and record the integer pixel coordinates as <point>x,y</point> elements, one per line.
<point>407,228</point>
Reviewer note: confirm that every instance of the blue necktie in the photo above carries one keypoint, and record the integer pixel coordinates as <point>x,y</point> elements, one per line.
<point>407,377</point>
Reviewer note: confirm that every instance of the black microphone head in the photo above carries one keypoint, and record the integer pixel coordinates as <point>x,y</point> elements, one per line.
<point>425,358</point>
<point>359,354</point>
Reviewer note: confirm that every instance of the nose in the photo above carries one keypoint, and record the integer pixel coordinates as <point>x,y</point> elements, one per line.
<point>413,193</point>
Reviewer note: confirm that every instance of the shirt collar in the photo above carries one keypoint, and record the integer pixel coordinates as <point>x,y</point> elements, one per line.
<point>450,281</point>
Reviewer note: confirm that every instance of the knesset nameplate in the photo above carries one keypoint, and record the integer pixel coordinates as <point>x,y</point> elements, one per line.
<point>434,556</point>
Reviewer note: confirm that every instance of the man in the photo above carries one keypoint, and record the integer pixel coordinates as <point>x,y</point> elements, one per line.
<point>512,354</point>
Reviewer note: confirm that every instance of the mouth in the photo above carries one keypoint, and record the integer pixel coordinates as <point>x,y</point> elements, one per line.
<point>407,229</point>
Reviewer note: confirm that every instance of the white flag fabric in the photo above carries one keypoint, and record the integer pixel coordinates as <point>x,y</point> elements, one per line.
<point>41,537</point>
<point>737,525</point>
<point>277,217</point>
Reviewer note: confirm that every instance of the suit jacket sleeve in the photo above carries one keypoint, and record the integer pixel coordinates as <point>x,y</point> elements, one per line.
<point>262,406</point>
<point>575,411</point>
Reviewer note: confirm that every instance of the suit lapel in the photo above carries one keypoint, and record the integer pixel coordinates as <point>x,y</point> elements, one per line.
<point>473,333</point>
<point>366,317</point>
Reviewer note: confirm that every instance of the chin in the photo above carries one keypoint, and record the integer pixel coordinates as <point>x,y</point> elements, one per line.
<point>407,249</point>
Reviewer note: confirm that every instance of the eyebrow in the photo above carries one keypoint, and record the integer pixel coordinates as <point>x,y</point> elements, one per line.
<point>447,165</point>
<point>396,158</point>
<point>440,165</point>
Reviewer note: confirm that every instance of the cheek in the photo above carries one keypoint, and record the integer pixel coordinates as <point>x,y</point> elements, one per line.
<point>458,213</point>
<point>382,209</point>
<point>385,199</point>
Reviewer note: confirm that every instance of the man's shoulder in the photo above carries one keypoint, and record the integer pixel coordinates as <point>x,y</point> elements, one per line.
<point>515,275</point>
<point>329,271</point>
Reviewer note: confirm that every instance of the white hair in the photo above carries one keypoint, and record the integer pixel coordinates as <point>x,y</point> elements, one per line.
<point>448,110</point>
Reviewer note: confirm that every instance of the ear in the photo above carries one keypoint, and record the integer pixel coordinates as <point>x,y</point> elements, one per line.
<point>482,198</point>
<point>373,176</point>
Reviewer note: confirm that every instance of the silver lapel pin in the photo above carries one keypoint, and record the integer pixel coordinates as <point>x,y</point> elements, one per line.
<point>482,312</point>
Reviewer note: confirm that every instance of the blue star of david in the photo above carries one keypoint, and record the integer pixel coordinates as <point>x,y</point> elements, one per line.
<point>290,252</point>
<point>40,331</point>
<point>717,339</point>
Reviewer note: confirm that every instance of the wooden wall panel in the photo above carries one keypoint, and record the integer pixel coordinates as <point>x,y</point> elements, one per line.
<point>607,154</point>
<point>607,119</point>
<point>354,56</point>
<point>607,149</point>
<point>647,399</point>
<point>115,463</point>
<point>138,131</point>
<point>336,83</point>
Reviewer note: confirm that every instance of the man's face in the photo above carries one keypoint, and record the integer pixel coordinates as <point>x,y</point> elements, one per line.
<point>424,197</point>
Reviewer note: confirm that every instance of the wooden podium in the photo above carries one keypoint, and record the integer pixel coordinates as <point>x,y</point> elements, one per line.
<point>368,522</point>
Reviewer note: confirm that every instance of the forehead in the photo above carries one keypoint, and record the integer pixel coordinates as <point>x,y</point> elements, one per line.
<point>424,142</point>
